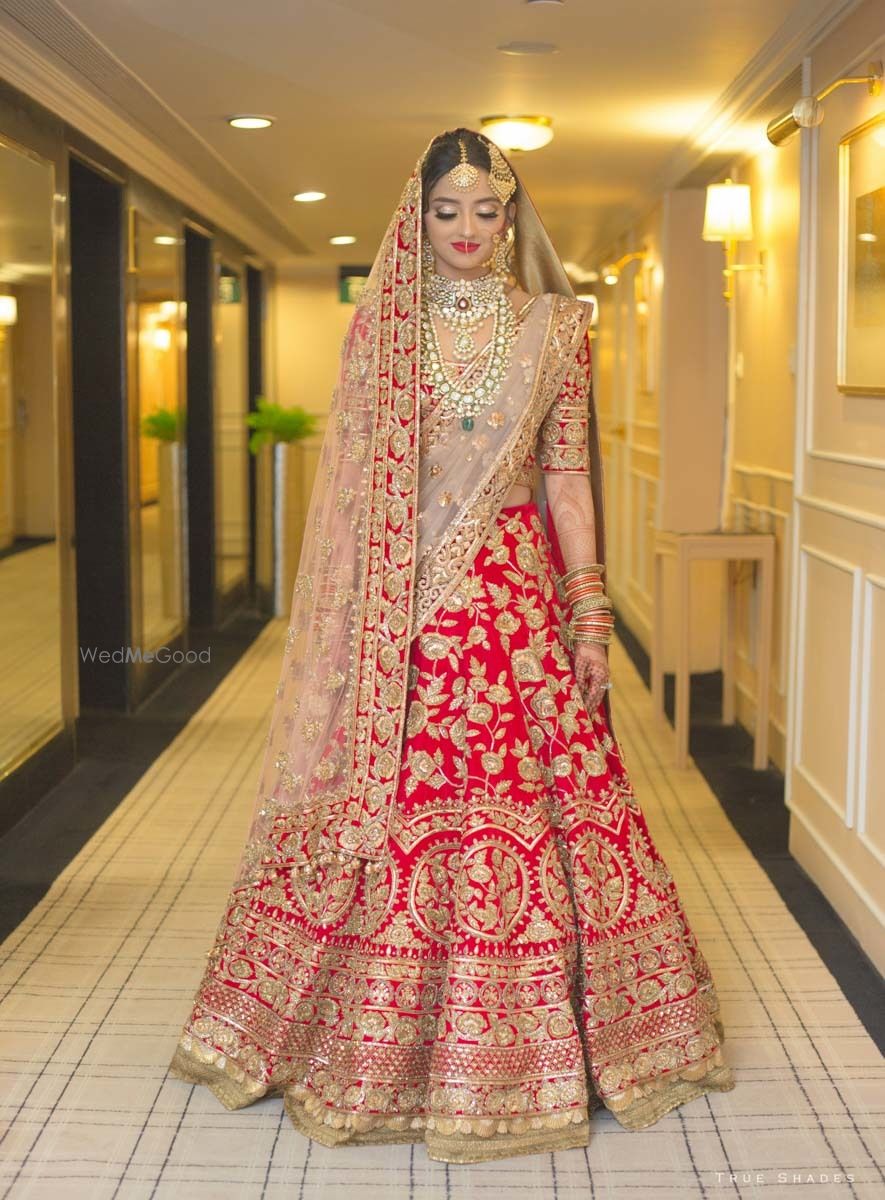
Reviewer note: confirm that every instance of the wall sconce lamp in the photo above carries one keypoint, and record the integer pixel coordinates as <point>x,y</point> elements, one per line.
<point>611,272</point>
<point>808,110</point>
<point>729,219</point>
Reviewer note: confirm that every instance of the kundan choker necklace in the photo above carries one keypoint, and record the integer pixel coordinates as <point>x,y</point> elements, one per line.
<point>462,305</point>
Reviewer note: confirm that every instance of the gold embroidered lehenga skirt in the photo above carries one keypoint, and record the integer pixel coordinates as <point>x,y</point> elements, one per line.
<point>521,959</point>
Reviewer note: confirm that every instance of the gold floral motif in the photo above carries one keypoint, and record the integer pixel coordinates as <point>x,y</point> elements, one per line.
<point>492,890</point>
<point>430,894</point>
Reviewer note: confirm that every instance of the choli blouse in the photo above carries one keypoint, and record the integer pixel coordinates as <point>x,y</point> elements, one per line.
<point>562,442</point>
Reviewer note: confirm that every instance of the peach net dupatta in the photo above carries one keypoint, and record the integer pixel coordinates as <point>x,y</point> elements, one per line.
<point>370,573</point>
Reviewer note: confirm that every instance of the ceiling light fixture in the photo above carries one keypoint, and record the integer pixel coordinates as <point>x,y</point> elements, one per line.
<point>166,239</point>
<point>250,122</point>
<point>342,239</point>
<point>308,197</point>
<point>518,133</point>
<point>808,110</point>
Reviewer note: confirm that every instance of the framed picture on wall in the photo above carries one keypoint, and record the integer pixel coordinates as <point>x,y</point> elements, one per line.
<point>861,326</point>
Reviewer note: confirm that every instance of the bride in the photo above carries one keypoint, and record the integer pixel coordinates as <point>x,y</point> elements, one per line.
<point>450,923</point>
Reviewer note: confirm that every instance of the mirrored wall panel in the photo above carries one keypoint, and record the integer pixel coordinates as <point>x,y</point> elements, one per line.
<point>231,431</point>
<point>30,615</point>
<point>157,393</point>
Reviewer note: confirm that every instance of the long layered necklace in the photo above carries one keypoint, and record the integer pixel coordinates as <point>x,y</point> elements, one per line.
<point>462,305</point>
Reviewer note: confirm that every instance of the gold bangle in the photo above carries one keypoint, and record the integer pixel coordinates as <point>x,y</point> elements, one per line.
<point>590,567</point>
<point>595,639</point>
<point>589,603</point>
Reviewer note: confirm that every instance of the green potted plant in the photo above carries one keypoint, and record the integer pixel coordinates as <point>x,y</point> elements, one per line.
<point>271,423</point>
<point>277,439</point>
<point>164,424</point>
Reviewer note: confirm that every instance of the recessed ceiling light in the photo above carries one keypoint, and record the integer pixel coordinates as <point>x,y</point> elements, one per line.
<point>528,48</point>
<point>247,122</point>
<point>165,239</point>
<point>518,133</point>
<point>309,197</point>
<point>343,239</point>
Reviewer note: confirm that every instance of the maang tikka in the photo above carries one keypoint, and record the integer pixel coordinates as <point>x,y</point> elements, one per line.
<point>464,175</point>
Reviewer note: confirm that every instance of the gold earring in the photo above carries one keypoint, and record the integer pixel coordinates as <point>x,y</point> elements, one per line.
<point>501,179</point>
<point>500,260</point>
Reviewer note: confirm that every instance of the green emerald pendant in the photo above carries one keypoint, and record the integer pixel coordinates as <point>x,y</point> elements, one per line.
<point>467,423</point>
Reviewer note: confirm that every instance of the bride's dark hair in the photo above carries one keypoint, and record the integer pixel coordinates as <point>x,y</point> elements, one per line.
<point>445,153</point>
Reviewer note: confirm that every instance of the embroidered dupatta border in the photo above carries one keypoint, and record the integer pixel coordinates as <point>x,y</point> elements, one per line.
<point>566,325</point>
<point>359,826</point>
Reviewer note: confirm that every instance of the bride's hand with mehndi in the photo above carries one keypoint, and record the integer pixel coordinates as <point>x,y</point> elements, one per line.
<point>591,672</point>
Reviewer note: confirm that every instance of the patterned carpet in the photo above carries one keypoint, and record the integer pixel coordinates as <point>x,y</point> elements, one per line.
<point>96,982</point>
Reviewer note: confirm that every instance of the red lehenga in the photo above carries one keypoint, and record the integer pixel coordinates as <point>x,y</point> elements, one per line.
<point>514,953</point>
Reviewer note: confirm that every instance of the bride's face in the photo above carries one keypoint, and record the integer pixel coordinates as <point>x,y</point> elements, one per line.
<point>460,226</point>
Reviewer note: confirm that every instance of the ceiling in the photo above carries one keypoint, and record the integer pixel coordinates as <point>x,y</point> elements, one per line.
<point>358,87</point>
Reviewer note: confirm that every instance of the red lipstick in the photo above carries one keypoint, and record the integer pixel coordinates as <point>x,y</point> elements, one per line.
<point>466,247</point>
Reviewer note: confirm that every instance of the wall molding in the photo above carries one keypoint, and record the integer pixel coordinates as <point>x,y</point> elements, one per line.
<point>822,792</point>
<point>847,511</point>
<point>806,270</point>
<point>772,473</point>
<point>852,460</point>
<point>871,584</point>
<point>847,814</point>
<point>865,898</point>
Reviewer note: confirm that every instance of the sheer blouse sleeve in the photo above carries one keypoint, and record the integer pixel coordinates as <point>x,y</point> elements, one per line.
<point>562,440</point>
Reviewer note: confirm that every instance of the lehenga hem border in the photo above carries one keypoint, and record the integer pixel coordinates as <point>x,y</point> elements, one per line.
<point>448,1139</point>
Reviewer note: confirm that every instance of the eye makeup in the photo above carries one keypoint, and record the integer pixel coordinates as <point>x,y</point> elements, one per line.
<point>446,216</point>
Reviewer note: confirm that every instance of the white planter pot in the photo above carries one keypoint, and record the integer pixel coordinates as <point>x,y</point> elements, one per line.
<point>170,516</point>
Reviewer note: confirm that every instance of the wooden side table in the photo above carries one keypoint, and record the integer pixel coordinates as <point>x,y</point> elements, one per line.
<point>731,548</point>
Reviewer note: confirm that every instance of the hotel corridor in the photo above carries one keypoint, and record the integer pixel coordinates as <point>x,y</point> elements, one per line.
<point>438,352</point>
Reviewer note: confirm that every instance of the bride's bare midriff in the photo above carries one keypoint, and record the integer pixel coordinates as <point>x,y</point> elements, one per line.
<point>518,494</point>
